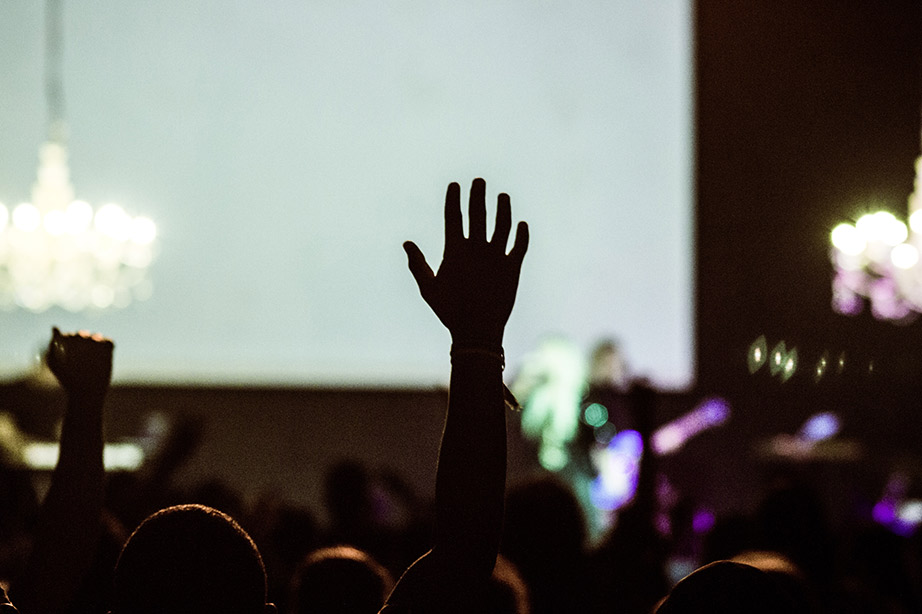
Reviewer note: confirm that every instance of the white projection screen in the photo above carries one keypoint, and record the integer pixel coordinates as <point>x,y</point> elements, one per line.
<point>287,149</point>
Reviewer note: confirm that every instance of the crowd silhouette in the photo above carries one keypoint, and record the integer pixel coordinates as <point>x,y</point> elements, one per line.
<point>133,543</point>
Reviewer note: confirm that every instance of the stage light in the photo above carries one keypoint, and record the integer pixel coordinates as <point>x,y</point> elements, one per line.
<point>820,427</point>
<point>43,456</point>
<point>877,260</point>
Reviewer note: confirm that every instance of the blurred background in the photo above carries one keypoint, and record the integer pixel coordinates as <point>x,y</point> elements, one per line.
<point>681,166</point>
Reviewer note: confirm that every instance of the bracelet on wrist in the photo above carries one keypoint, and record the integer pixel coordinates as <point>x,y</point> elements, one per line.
<point>476,349</point>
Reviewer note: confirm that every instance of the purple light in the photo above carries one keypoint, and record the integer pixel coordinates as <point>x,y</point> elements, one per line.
<point>618,466</point>
<point>820,427</point>
<point>672,436</point>
<point>884,512</point>
<point>716,411</point>
<point>703,521</point>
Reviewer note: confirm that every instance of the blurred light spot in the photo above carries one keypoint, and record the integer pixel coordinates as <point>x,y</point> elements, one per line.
<point>26,217</point>
<point>915,221</point>
<point>790,365</point>
<point>882,227</point>
<point>552,458</point>
<point>758,353</point>
<point>55,222</point>
<point>116,456</point>
<point>668,438</point>
<point>848,239</point>
<point>703,521</point>
<point>79,216</point>
<point>884,512</point>
<point>779,353</point>
<point>904,256</point>
<point>112,221</point>
<point>618,467</point>
<point>102,296</point>
<point>664,527</point>
<point>895,232</point>
<point>821,365</point>
<point>673,435</point>
<point>910,512</point>
<point>714,411</point>
<point>820,427</point>
<point>595,415</point>
<point>605,433</point>
<point>143,231</point>
<point>841,363</point>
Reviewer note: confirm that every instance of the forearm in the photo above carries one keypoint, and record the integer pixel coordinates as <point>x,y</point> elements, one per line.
<point>67,530</point>
<point>471,478</point>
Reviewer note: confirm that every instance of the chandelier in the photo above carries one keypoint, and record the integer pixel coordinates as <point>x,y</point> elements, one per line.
<point>877,261</point>
<point>59,251</point>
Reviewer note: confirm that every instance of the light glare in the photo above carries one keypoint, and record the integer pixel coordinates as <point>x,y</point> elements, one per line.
<point>143,230</point>
<point>904,256</point>
<point>79,217</point>
<point>112,221</point>
<point>26,217</point>
<point>848,239</point>
<point>55,222</point>
<point>915,221</point>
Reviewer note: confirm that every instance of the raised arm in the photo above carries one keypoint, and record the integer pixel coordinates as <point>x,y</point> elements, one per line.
<point>68,527</point>
<point>472,294</point>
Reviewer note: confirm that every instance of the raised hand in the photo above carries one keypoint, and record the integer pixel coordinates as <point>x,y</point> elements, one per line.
<point>474,289</point>
<point>68,527</point>
<point>81,361</point>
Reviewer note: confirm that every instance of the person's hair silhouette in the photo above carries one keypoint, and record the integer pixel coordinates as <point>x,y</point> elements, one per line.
<point>190,559</point>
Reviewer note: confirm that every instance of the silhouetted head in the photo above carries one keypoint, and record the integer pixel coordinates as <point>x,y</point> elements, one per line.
<point>725,587</point>
<point>190,559</point>
<point>339,580</point>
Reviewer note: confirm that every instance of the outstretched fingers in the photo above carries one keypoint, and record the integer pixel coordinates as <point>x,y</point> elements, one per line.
<point>454,231</point>
<point>503,223</point>
<point>521,244</point>
<point>477,211</point>
<point>420,269</point>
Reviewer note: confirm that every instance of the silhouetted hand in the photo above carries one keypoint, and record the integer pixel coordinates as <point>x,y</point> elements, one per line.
<point>81,361</point>
<point>474,289</point>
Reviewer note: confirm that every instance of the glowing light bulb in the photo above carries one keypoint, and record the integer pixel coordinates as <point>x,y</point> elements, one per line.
<point>820,427</point>
<point>790,365</point>
<point>893,231</point>
<point>112,221</point>
<point>143,230</point>
<point>55,222</point>
<point>848,239</point>
<point>915,221</point>
<point>79,216</point>
<point>904,256</point>
<point>758,352</point>
<point>865,225</point>
<point>26,217</point>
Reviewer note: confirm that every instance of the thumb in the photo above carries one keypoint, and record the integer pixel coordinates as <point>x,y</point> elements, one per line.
<point>420,269</point>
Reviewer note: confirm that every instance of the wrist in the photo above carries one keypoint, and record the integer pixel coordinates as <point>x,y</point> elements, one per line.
<point>478,350</point>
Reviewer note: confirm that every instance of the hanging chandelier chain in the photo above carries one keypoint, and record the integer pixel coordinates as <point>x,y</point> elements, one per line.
<point>54,69</point>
